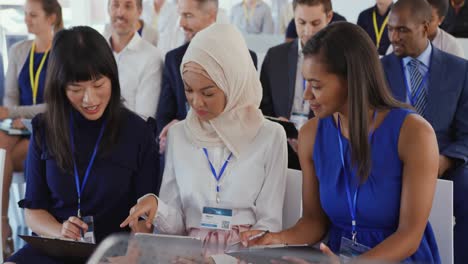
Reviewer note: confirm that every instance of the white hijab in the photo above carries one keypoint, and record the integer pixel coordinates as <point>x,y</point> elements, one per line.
<point>221,51</point>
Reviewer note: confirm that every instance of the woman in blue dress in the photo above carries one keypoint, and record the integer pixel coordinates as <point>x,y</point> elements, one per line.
<point>89,155</point>
<point>369,163</point>
<point>24,90</point>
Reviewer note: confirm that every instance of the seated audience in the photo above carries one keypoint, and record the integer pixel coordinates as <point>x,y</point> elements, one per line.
<point>363,151</point>
<point>253,17</point>
<point>139,63</point>
<point>225,143</point>
<point>89,156</point>
<point>24,89</point>
<point>456,21</point>
<point>374,21</point>
<point>436,84</point>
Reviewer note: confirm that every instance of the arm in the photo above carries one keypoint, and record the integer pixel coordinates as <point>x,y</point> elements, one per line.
<point>269,208</point>
<point>149,88</point>
<point>42,222</point>
<point>313,224</point>
<point>169,218</point>
<point>458,149</point>
<point>11,97</point>
<point>266,104</point>
<point>417,147</point>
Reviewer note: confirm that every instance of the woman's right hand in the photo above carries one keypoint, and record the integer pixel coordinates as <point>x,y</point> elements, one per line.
<point>73,227</point>
<point>268,239</point>
<point>147,206</point>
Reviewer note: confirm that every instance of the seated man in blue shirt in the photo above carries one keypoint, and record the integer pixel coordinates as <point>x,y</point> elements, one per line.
<point>436,84</point>
<point>374,21</point>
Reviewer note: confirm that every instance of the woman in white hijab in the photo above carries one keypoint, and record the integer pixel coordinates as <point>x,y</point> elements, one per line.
<point>225,155</point>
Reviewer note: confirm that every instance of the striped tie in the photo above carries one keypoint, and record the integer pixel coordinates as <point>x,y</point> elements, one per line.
<point>418,92</point>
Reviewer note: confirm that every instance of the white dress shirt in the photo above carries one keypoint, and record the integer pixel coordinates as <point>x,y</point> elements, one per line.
<point>258,21</point>
<point>140,74</point>
<point>253,185</point>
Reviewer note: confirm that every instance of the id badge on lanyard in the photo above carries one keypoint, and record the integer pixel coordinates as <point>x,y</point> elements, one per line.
<point>216,216</point>
<point>89,220</point>
<point>350,248</point>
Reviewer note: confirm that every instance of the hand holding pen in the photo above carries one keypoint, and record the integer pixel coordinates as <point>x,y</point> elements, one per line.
<point>259,237</point>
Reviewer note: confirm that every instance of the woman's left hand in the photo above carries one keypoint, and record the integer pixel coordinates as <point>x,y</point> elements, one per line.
<point>4,113</point>
<point>332,257</point>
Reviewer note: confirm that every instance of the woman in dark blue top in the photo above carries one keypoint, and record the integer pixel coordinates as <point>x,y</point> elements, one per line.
<point>89,155</point>
<point>369,163</point>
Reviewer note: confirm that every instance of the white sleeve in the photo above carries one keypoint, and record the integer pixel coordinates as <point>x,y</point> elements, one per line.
<point>170,217</point>
<point>269,203</point>
<point>457,49</point>
<point>149,88</point>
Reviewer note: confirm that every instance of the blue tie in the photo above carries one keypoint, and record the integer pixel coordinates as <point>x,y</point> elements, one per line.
<point>418,91</point>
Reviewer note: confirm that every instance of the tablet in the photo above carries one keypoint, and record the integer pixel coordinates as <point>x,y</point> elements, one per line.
<point>266,254</point>
<point>156,248</point>
<point>57,247</point>
<point>289,127</point>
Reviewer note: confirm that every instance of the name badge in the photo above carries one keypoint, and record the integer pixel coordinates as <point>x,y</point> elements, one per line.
<point>216,218</point>
<point>88,237</point>
<point>350,249</point>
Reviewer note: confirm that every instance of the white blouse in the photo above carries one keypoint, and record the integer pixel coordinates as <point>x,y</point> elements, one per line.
<point>253,185</point>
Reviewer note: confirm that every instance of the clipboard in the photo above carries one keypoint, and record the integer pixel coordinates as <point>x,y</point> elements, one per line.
<point>165,248</point>
<point>5,125</point>
<point>264,254</point>
<point>57,247</point>
<point>289,127</point>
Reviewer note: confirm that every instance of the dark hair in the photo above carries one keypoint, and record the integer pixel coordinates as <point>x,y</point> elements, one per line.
<point>52,7</point>
<point>139,3</point>
<point>348,52</point>
<point>327,4</point>
<point>441,6</point>
<point>77,54</point>
<point>419,9</point>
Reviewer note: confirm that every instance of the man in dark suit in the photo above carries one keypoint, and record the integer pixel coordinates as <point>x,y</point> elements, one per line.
<point>436,84</point>
<point>281,75</point>
<point>195,15</point>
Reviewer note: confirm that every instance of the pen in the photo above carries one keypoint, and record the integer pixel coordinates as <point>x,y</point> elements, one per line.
<point>259,235</point>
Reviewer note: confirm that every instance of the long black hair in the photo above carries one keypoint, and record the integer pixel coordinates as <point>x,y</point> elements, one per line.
<point>348,52</point>
<point>78,54</point>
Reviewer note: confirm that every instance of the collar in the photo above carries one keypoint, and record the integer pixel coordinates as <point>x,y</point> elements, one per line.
<point>424,57</point>
<point>134,43</point>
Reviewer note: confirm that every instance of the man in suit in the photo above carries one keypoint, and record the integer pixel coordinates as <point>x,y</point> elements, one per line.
<point>436,84</point>
<point>195,15</point>
<point>283,84</point>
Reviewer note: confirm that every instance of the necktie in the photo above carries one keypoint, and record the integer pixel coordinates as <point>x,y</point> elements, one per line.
<point>418,91</point>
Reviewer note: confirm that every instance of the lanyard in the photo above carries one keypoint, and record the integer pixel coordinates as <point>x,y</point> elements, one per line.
<point>246,11</point>
<point>379,32</point>
<point>352,202</point>
<point>79,189</point>
<point>34,78</point>
<point>213,171</point>
<point>418,89</point>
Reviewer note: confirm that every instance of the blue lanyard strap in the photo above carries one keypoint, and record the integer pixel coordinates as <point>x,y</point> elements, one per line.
<point>352,202</point>
<point>79,189</point>
<point>418,89</point>
<point>213,171</point>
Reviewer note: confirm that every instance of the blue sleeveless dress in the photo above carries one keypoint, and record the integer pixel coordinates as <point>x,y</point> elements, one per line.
<point>378,200</point>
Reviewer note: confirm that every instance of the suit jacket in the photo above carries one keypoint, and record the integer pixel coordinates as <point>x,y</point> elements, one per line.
<point>447,105</point>
<point>172,101</point>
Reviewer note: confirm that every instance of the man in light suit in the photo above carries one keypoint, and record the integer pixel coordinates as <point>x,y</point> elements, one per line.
<point>281,74</point>
<point>436,84</point>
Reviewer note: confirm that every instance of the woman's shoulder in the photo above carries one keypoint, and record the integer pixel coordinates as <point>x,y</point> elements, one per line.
<point>21,47</point>
<point>272,129</point>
